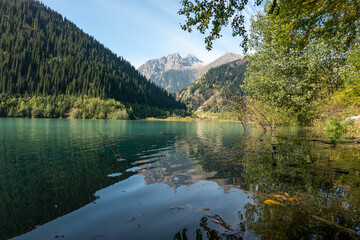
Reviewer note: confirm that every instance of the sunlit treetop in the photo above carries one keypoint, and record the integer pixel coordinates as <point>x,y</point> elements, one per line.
<point>306,18</point>
<point>314,19</point>
<point>214,15</point>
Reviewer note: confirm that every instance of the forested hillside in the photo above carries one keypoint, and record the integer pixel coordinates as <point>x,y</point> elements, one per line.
<point>211,91</point>
<point>42,53</point>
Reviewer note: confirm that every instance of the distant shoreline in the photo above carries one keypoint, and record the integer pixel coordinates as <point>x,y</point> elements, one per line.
<point>189,119</point>
<point>171,119</point>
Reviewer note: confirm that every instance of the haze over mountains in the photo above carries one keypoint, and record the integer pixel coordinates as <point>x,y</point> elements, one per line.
<point>173,72</point>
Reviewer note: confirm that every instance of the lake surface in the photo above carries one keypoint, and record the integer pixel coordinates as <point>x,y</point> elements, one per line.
<point>93,179</point>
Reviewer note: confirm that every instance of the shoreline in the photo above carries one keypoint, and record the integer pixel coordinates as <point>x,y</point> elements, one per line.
<point>171,119</point>
<point>189,119</point>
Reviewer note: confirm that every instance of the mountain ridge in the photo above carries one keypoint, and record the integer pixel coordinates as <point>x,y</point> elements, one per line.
<point>166,63</point>
<point>173,72</point>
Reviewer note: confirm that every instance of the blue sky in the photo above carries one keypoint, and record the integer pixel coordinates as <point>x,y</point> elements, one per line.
<point>139,30</point>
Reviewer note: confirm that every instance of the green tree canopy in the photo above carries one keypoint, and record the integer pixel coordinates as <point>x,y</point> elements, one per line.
<point>205,14</point>
<point>284,77</point>
<point>300,49</point>
<point>305,19</point>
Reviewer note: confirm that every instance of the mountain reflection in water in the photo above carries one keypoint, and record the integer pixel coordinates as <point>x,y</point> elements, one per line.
<point>175,180</point>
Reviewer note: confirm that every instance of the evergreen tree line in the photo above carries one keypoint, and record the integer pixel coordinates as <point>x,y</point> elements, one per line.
<point>42,53</point>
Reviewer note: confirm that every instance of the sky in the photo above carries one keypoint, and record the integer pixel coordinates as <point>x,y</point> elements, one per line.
<point>140,30</point>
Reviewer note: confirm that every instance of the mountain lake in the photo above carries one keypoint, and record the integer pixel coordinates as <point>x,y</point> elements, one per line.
<point>104,179</point>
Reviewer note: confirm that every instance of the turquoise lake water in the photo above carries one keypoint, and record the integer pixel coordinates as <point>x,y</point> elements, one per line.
<point>94,179</point>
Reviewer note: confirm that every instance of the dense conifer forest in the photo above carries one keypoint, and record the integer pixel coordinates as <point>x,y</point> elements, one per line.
<point>42,54</point>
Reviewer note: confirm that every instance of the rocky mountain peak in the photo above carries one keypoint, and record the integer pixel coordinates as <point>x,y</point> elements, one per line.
<point>174,55</point>
<point>191,56</point>
<point>226,58</point>
<point>173,72</point>
<point>191,60</point>
<point>166,63</point>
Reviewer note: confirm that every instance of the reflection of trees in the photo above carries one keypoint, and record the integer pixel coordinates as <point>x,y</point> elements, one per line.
<point>323,182</point>
<point>301,188</point>
<point>50,182</point>
<point>291,222</point>
<point>62,175</point>
<point>325,189</point>
<point>49,168</point>
<point>277,223</point>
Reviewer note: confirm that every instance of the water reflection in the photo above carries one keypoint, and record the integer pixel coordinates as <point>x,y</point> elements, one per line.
<point>161,180</point>
<point>301,186</point>
<point>205,156</point>
<point>52,167</point>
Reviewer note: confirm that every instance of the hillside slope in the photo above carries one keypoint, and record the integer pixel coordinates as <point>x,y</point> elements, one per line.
<point>208,92</point>
<point>42,53</point>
